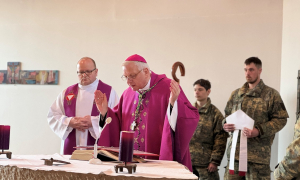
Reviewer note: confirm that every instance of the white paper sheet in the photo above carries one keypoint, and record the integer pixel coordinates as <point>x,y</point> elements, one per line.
<point>240,120</point>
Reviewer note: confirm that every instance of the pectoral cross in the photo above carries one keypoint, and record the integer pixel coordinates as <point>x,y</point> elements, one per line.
<point>132,126</point>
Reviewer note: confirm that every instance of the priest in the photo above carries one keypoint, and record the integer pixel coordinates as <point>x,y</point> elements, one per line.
<point>74,115</point>
<point>155,108</point>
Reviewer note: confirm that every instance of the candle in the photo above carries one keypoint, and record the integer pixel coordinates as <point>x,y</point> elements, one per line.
<point>4,137</point>
<point>126,146</point>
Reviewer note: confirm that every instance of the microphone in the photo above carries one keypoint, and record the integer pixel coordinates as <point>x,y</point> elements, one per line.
<point>95,160</point>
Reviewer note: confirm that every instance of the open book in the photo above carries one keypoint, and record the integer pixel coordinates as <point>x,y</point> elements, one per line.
<point>116,149</point>
<point>107,154</point>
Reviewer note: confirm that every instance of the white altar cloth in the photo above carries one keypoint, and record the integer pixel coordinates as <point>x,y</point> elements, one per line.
<point>151,169</point>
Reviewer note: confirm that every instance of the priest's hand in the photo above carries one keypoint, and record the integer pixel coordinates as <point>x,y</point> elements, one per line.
<point>79,123</point>
<point>87,120</point>
<point>101,102</point>
<point>212,167</point>
<point>228,127</point>
<point>250,133</point>
<point>175,91</point>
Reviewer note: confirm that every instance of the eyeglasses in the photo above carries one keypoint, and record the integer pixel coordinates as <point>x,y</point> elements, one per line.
<point>87,72</point>
<point>125,78</point>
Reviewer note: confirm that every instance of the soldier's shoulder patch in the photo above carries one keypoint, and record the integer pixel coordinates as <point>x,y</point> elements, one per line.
<point>282,106</point>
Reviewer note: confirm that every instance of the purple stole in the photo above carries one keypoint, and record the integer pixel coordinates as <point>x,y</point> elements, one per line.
<point>70,109</point>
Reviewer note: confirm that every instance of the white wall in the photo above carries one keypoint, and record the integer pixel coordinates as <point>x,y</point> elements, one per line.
<point>212,39</point>
<point>289,69</point>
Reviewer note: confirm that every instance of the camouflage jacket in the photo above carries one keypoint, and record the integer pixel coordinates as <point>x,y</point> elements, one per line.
<point>289,167</point>
<point>208,143</point>
<point>265,106</point>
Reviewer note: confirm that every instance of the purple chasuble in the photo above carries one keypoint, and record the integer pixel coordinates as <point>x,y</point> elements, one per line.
<point>70,110</point>
<point>154,133</point>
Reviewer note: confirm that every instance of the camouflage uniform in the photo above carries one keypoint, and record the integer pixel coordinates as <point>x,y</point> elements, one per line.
<point>265,106</point>
<point>208,143</point>
<point>289,167</point>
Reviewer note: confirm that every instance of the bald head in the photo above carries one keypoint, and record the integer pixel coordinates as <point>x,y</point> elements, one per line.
<point>87,71</point>
<point>84,59</point>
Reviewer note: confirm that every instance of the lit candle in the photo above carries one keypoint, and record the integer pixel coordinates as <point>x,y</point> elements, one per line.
<point>126,146</point>
<point>4,137</point>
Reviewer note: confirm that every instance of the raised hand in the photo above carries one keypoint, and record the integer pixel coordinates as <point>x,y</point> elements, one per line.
<point>175,91</point>
<point>101,102</point>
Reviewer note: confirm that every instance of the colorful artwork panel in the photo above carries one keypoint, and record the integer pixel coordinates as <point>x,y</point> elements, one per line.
<point>14,75</point>
<point>27,77</point>
<point>13,72</point>
<point>3,75</point>
<point>47,77</point>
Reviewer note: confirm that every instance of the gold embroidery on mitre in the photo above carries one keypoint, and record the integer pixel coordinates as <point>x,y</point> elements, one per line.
<point>132,114</point>
<point>135,140</point>
<point>145,113</point>
<point>142,140</point>
<point>143,126</point>
<point>147,101</point>
<point>134,102</point>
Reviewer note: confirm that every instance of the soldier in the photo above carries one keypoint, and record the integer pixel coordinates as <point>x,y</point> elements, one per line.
<point>289,167</point>
<point>265,106</point>
<point>208,143</point>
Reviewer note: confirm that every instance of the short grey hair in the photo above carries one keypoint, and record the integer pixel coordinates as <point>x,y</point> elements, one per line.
<point>140,65</point>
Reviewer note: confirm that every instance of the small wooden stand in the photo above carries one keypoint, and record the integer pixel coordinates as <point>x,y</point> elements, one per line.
<point>8,153</point>
<point>129,167</point>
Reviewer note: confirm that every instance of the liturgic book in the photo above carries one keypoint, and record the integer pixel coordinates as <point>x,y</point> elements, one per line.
<point>107,154</point>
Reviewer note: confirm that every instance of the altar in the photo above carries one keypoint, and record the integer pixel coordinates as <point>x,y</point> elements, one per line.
<point>32,167</point>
